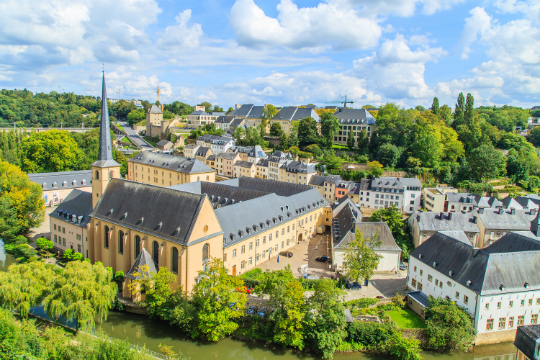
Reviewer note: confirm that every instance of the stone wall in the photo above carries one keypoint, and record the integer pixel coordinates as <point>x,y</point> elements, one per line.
<point>494,337</point>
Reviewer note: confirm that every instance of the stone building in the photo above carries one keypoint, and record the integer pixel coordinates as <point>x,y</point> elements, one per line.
<point>56,186</point>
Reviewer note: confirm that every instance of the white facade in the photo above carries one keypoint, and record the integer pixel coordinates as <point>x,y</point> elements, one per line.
<point>388,262</point>
<point>404,193</point>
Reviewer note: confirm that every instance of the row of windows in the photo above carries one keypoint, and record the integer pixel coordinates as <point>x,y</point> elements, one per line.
<point>60,228</point>
<point>511,303</point>
<point>502,322</point>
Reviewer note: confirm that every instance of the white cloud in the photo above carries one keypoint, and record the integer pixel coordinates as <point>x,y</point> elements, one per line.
<point>404,8</point>
<point>315,29</point>
<point>181,34</point>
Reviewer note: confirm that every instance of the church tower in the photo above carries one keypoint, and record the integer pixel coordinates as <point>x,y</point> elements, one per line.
<point>105,168</point>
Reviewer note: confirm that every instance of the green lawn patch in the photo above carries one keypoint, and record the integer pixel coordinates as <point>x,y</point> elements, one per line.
<point>339,147</point>
<point>406,319</point>
<point>141,123</point>
<point>151,140</point>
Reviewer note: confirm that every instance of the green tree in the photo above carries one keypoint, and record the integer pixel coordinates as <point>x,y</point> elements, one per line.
<point>21,202</point>
<point>83,291</point>
<point>217,302</point>
<point>207,106</point>
<point>435,107</point>
<point>534,136</point>
<point>449,327</point>
<point>314,149</point>
<point>374,168</point>
<point>269,111</point>
<point>363,142</point>
<point>287,298</point>
<point>459,112</point>
<point>389,154</point>
<point>136,116</point>
<point>360,256</point>
<point>275,129</point>
<point>427,148</point>
<point>404,348</point>
<point>157,287</point>
<point>445,114</point>
<point>420,108</point>
<point>534,183</point>
<point>392,216</point>
<point>44,243</point>
<point>517,167</point>
<point>217,108</point>
<point>324,327</point>
<point>486,162</point>
<point>329,127</point>
<point>469,110</point>
<point>331,161</point>
<point>307,131</point>
<point>350,140</point>
<point>50,151</point>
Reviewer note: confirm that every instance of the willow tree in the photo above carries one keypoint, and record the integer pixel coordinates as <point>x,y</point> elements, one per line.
<point>24,286</point>
<point>361,257</point>
<point>83,291</point>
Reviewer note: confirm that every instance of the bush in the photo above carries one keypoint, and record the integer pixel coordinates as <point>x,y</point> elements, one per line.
<point>368,333</point>
<point>119,276</point>
<point>44,243</point>
<point>251,283</point>
<point>360,303</point>
<point>253,273</point>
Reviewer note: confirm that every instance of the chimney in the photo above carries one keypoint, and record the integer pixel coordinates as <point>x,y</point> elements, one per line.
<point>236,106</point>
<point>481,210</point>
<point>474,251</point>
<point>533,211</point>
<point>417,218</point>
<point>501,211</point>
<point>450,216</point>
<point>441,215</point>
<point>475,220</point>
<point>512,211</point>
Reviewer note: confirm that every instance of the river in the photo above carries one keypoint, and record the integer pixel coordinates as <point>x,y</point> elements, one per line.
<point>139,330</point>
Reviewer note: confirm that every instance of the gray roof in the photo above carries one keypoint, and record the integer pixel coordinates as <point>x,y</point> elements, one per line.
<point>62,180</point>
<point>348,316</point>
<point>458,235</point>
<point>249,111</point>
<point>434,221</point>
<point>343,226</point>
<point>155,109</point>
<point>237,121</point>
<point>280,156</point>
<point>262,162</point>
<point>245,164</point>
<point>171,162</point>
<point>317,180</point>
<point>493,219</point>
<point>105,156</point>
<point>280,188</point>
<point>215,139</point>
<point>365,184</point>
<point>369,229</point>
<point>140,207</point>
<point>163,142</point>
<point>298,167</point>
<point>527,339</point>
<point>510,203</point>
<point>144,258</point>
<point>354,116</point>
<point>224,119</point>
<point>395,183</point>
<point>202,151</point>
<point>199,113</point>
<point>295,113</point>
<point>76,208</point>
<point>526,202</point>
<point>508,265</point>
<point>419,297</point>
<point>227,156</point>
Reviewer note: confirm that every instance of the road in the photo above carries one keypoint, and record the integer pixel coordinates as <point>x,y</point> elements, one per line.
<point>135,138</point>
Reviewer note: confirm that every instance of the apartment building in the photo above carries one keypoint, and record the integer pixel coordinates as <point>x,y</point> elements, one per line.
<point>499,286</point>
<point>167,170</point>
<point>199,117</point>
<point>345,188</point>
<point>288,114</point>
<point>275,161</point>
<point>203,153</point>
<point>465,202</point>
<point>434,199</point>
<point>56,186</point>
<point>244,168</point>
<point>495,223</point>
<point>353,120</point>
<point>527,342</point>
<point>423,225</point>
<point>190,150</point>
<point>218,144</point>
<point>225,163</point>
<point>296,172</point>
<point>364,191</point>
<point>249,153</point>
<point>261,169</point>
<point>224,122</point>
<point>253,114</point>
<point>404,193</point>
<point>326,185</point>
<point>68,223</point>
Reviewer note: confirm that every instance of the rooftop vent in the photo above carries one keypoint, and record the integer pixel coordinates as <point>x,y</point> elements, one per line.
<point>512,211</point>
<point>450,273</point>
<point>501,287</point>
<point>419,256</point>
<point>124,216</point>
<point>434,264</point>
<point>469,282</point>
<point>526,285</point>
<point>176,231</point>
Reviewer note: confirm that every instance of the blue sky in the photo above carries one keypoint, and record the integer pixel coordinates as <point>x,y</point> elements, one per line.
<point>282,52</point>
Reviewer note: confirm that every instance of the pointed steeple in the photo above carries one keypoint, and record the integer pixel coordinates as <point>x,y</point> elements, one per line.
<point>105,155</point>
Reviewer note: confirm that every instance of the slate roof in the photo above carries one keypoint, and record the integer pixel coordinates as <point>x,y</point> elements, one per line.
<point>244,164</point>
<point>343,226</point>
<point>155,110</point>
<point>385,235</point>
<point>526,202</point>
<point>140,207</point>
<point>527,339</point>
<point>365,184</point>
<point>262,162</point>
<point>432,221</point>
<point>202,151</point>
<point>295,113</point>
<point>105,156</point>
<point>62,180</point>
<point>298,167</point>
<point>354,116</point>
<point>224,119</point>
<point>333,179</point>
<point>317,180</point>
<point>509,266</point>
<point>226,156</point>
<point>163,142</point>
<point>510,203</point>
<point>280,188</point>
<point>76,208</point>
<point>144,258</point>
<point>419,297</point>
<point>280,156</point>
<point>171,162</point>
<point>458,235</point>
<point>237,121</point>
<point>199,113</point>
<point>215,139</point>
<point>492,219</point>
<point>249,111</point>
<point>256,112</point>
<point>394,183</point>
<point>348,316</point>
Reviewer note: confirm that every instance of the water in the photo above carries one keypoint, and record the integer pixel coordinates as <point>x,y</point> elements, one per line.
<point>140,330</point>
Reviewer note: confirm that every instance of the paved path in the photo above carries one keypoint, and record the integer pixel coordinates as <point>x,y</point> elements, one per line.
<point>135,138</point>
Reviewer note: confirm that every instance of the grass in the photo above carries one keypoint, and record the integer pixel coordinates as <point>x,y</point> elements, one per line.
<point>406,319</point>
<point>339,147</point>
<point>119,127</point>
<point>150,140</point>
<point>141,123</point>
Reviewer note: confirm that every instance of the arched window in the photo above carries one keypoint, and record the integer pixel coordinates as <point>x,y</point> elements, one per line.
<point>120,242</point>
<point>207,177</point>
<point>155,253</point>
<point>106,237</point>
<point>198,178</point>
<point>137,245</point>
<point>175,260</point>
<point>111,174</point>
<point>205,252</point>
<point>97,174</point>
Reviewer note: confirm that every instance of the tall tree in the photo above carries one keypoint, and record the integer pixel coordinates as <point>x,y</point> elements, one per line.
<point>392,216</point>
<point>350,140</point>
<point>307,131</point>
<point>361,256</point>
<point>207,106</point>
<point>389,154</point>
<point>269,111</point>
<point>459,111</point>
<point>486,162</point>
<point>275,129</point>
<point>435,107</point>
<point>363,142</point>
<point>469,111</point>
<point>329,127</point>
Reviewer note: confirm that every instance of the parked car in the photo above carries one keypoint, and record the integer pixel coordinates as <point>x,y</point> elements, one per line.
<point>354,285</point>
<point>262,312</point>
<point>252,310</point>
<point>286,254</point>
<point>245,289</point>
<point>402,266</point>
<point>324,259</point>
<point>379,297</point>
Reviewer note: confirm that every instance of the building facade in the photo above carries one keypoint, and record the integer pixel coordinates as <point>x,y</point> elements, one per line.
<point>56,186</point>
<point>355,121</point>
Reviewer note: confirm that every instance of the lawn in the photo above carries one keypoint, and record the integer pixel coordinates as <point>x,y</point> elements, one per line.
<point>406,319</point>
<point>151,140</point>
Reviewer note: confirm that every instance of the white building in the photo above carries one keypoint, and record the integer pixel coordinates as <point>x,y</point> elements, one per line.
<point>499,286</point>
<point>218,144</point>
<point>404,193</point>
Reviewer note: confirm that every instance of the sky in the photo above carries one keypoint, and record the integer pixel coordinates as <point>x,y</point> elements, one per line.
<point>281,52</point>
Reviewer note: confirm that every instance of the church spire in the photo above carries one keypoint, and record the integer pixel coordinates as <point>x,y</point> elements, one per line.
<point>105,151</point>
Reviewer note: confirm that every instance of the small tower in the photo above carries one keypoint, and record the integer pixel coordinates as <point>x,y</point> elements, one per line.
<point>105,168</point>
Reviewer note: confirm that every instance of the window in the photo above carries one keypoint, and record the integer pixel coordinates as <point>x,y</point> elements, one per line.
<point>436,282</point>
<point>97,175</point>
<point>521,320</point>
<point>241,264</point>
<point>530,302</point>
<point>511,304</point>
<point>225,257</point>
<point>522,303</point>
<point>263,253</point>
<point>282,244</point>
<point>55,238</point>
<point>419,287</point>
<point>120,242</point>
<point>502,323</point>
<point>243,249</point>
<point>457,295</point>
<point>106,237</point>
<point>430,278</point>
<point>174,260</point>
<point>415,269</point>
<point>205,252</point>
<point>288,228</point>
<point>264,239</point>
<point>277,234</point>
<point>282,232</point>
<point>498,305</point>
<point>249,261</point>
<point>251,246</point>
<point>234,253</point>
<point>137,245</point>
<point>489,324</point>
<point>511,322</point>
<point>487,306</point>
<point>155,253</point>
<point>413,283</point>
<point>79,237</point>
<point>257,243</point>
<point>538,301</point>
<point>421,272</point>
<point>64,241</point>
<point>534,319</point>
<point>276,247</point>
<point>63,230</point>
<point>465,299</point>
<point>54,226</point>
